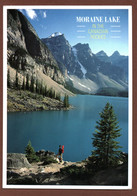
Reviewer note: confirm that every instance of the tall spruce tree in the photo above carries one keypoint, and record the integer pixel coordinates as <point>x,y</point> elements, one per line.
<point>23,84</point>
<point>106,150</point>
<point>66,101</point>
<point>58,96</point>
<point>32,88</point>
<point>27,82</point>
<point>16,81</point>
<point>37,87</point>
<point>8,79</point>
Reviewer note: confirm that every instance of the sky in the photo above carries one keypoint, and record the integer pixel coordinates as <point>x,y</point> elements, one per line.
<point>102,29</point>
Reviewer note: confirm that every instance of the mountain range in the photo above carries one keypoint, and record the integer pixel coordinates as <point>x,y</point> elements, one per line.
<point>85,70</point>
<point>60,65</point>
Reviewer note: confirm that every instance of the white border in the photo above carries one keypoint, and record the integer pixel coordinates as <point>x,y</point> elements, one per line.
<point>4,182</point>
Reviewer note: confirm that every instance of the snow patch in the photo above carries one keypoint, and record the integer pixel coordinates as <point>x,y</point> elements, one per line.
<point>55,34</point>
<point>70,78</point>
<point>84,71</point>
<point>84,86</point>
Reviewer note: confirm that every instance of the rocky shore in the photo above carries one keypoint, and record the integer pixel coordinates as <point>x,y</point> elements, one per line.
<point>21,172</point>
<point>19,100</point>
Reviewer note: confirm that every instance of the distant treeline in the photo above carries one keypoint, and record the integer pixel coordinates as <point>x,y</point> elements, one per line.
<point>108,91</point>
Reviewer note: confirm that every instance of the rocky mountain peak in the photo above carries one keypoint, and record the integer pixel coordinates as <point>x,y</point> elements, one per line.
<point>55,34</point>
<point>101,53</point>
<point>116,53</point>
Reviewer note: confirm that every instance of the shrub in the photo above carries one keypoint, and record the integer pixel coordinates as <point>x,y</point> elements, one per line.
<point>48,159</point>
<point>74,171</point>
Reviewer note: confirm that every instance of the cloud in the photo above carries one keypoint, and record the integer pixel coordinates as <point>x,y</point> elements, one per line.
<point>31,13</point>
<point>44,14</point>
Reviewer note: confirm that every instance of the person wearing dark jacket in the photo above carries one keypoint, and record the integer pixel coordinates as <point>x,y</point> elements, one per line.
<point>60,153</point>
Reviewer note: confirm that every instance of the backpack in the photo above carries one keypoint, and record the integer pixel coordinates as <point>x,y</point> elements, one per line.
<point>63,149</point>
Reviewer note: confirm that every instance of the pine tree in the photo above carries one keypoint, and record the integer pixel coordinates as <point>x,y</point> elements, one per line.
<point>45,91</point>
<point>30,153</point>
<point>106,151</point>
<point>50,93</point>
<point>27,82</point>
<point>41,88</point>
<point>53,94</point>
<point>8,79</point>
<point>58,96</point>
<point>16,81</point>
<point>32,88</point>
<point>23,84</point>
<point>37,87</point>
<point>66,101</point>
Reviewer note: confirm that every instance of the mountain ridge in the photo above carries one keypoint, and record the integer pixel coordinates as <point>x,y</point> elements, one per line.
<point>83,65</point>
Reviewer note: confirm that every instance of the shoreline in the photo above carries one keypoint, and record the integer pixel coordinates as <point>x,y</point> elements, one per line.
<point>21,172</point>
<point>25,101</point>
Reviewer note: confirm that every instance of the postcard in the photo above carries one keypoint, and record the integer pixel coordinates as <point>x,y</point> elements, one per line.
<point>68,97</point>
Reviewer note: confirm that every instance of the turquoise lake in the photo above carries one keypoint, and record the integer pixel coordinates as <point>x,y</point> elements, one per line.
<point>73,129</point>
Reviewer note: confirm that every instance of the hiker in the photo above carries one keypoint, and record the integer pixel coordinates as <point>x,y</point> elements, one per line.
<point>60,152</point>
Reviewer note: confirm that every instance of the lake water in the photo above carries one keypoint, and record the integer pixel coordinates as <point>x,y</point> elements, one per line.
<point>73,129</point>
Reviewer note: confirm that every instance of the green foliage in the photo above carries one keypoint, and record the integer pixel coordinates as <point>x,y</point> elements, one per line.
<point>8,79</point>
<point>37,87</point>
<point>74,171</point>
<point>30,153</point>
<point>27,82</point>
<point>45,91</point>
<point>23,84</point>
<point>66,101</point>
<point>48,160</point>
<point>58,96</point>
<point>69,86</point>
<point>32,88</point>
<point>16,81</point>
<point>106,152</point>
<point>109,91</point>
<point>21,52</point>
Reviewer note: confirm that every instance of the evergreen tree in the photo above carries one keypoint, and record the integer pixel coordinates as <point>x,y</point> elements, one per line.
<point>67,97</point>
<point>50,93</point>
<point>32,88</point>
<point>66,101</point>
<point>8,79</point>
<point>41,88</point>
<point>45,91</point>
<point>27,82</point>
<point>37,87</point>
<point>53,94</point>
<point>30,153</point>
<point>16,81</point>
<point>58,96</point>
<point>104,141</point>
<point>23,84</point>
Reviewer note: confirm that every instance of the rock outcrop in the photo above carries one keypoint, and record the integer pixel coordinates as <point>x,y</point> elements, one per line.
<point>61,173</point>
<point>16,160</point>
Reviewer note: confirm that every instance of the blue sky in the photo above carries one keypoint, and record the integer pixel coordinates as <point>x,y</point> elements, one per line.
<point>115,36</point>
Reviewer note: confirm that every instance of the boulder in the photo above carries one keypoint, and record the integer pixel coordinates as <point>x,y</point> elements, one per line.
<point>17,160</point>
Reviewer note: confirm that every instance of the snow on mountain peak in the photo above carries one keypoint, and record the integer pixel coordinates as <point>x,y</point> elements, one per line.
<point>55,34</point>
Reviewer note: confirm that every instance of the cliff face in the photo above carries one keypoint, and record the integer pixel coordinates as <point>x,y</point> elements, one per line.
<point>26,53</point>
